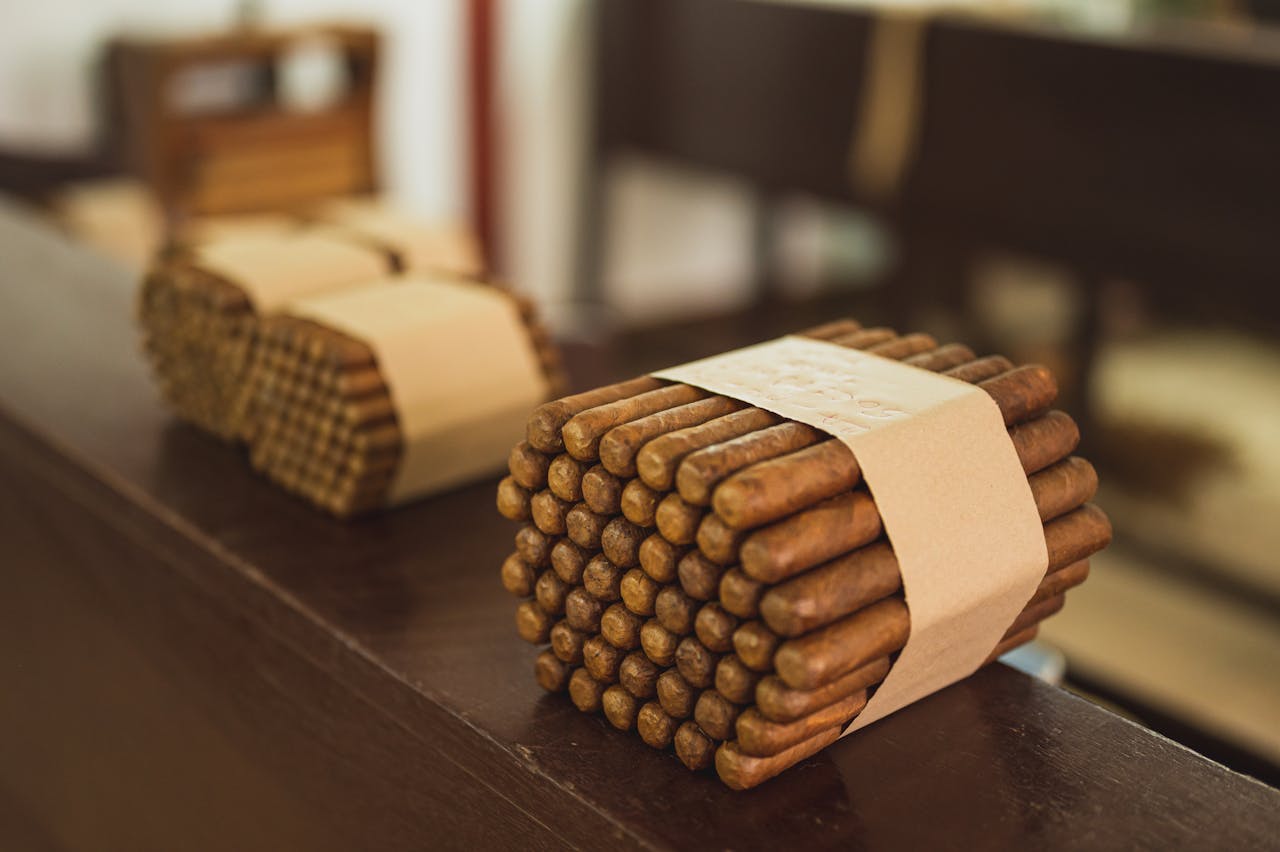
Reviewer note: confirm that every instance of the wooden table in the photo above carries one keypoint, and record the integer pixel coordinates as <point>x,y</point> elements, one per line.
<point>194,660</point>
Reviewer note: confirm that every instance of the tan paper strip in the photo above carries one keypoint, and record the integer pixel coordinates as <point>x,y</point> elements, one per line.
<point>954,499</point>
<point>461,371</point>
<point>275,269</point>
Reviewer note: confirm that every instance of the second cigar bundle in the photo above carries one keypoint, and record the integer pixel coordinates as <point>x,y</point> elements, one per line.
<point>717,577</point>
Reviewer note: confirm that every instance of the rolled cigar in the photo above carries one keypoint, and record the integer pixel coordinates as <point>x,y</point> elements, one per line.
<point>1059,581</point>
<point>365,381</point>
<point>699,576</point>
<point>547,420</point>
<point>602,579</point>
<point>658,460</point>
<point>620,541</point>
<point>549,512</point>
<point>582,611</point>
<point>602,491</point>
<point>550,592</point>
<point>776,701</point>
<point>714,628</point>
<point>655,727</point>
<point>564,477</point>
<point>566,643</point>
<point>1044,440</point>
<point>584,430</point>
<point>755,645</point>
<point>528,466</point>
<point>659,558</point>
<point>904,347</point>
<point>850,582</point>
<point>1036,613</point>
<point>533,545</point>
<point>639,503</point>
<point>620,707</point>
<point>532,623</point>
<point>739,594</point>
<point>585,691</point>
<point>569,561</point>
<point>693,747</point>
<point>982,369</point>
<point>833,329</point>
<point>942,358</point>
<point>621,627</point>
<point>675,610</point>
<point>696,664</point>
<point>718,541</point>
<point>702,470</point>
<point>601,660</point>
<point>716,715</point>
<point>741,771</point>
<point>518,576</point>
<point>513,500</point>
<point>584,527</point>
<point>639,591</point>
<point>658,643</point>
<point>865,338</point>
<point>761,737</point>
<point>735,681</point>
<point>675,695</point>
<point>619,446</point>
<point>638,675</point>
<point>678,520</point>
<point>551,673</point>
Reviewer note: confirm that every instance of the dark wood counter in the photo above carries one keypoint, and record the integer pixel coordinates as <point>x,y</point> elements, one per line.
<point>193,660</point>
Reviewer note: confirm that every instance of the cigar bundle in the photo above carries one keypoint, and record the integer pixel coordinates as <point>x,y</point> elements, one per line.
<point>327,424</point>
<point>716,577</point>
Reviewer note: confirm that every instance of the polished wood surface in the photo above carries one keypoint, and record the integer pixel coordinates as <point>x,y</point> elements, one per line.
<point>194,660</point>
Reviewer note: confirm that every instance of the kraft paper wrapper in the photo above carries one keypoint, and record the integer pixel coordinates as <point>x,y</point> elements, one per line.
<point>274,269</point>
<point>459,366</point>
<point>422,246</point>
<point>939,462</point>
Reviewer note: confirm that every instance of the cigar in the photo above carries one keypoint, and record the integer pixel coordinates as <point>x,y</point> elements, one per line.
<point>761,737</point>
<point>532,623</point>
<point>528,466</point>
<point>550,592</point>
<point>569,561</point>
<point>693,747</point>
<point>755,645</point>
<point>620,707</point>
<point>621,627</point>
<point>675,695</point>
<point>715,715</point>
<point>639,591</point>
<point>739,594</point>
<point>678,519</point>
<point>741,771</point>
<point>564,477</point>
<point>659,558</point>
<point>696,664</point>
<point>943,358</point>
<point>547,420</point>
<point>513,500</point>
<point>620,541</point>
<point>718,541</point>
<point>655,727</point>
<point>699,576</point>
<point>776,701</point>
<point>735,681</point>
<point>584,527</point>
<point>905,346</point>
<point>619,446</point>
<point>549,512</point>
<point>518,576</point>
<point>639,503</point>
<point>658,460</point>
<point>638,675</point>
<point>714,627</point>
<point>602,579</point>
<point>658,643</point>
<point>566,643</point>
<point>675,610</point>
<point>601,660</point>
<point>583,431</point>
<point>551,673</point>
<point>602,491</point>
<point>702,470</point>
<point>533,545</point>
<point>582,611</point>
<point>585,691</point>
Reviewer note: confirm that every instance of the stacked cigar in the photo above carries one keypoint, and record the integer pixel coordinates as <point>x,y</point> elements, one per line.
<point>715,577</point>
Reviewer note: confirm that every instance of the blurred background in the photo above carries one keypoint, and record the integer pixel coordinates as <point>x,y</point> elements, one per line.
<point>1093,184</point>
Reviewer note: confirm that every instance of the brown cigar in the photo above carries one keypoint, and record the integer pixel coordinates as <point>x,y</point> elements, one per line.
<point>905,346</point>
<point>602,579</point>
<point>735,681</point>
<point>550,592</point>
<point>639,591</point>
<point>532,623</point>
<point>696,664</point>
<point>533,545</point>
<point>518,576</point>
<point>676,695</point>
<point>659,643</point>
<point>582,611</point>
<point>776,701</point>
<point>675,610</point>
<point>621,627</point>
<point>714,628</point>
<point>658,460</point>
<point>741,771</point>
<point>585,691</point>
<point>513,500</point>
<point>659,558</point>
<point>564,477</point>
<point>547,420</point>
<point>602,491</point>
<point>566,643</point>
<point>618,447</point>
<point>716,715</point>
<point>528,466</point>
<point>551,673</point>
<point>549,512</point>
<point>568,560</point>
<point>755,645</point>
<point>943,358</point>
<point>638,675</point>
<point>699,576</point>
<point>601,660</point>
<point>694,748</point>
<point>760,737</point>
<point>583,432</point>
<point>655,727</point>
<point>584,527</point>
<point>718,541</point>
<point>739,594</point>
<point>620,541</point>
<point>678,520</point>
<point>639,503</point>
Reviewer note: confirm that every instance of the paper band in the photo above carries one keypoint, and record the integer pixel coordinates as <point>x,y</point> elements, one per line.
<point>459,366</point>
<point>275,269</point>
<point>952,494</point>
<point>445,247</point>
